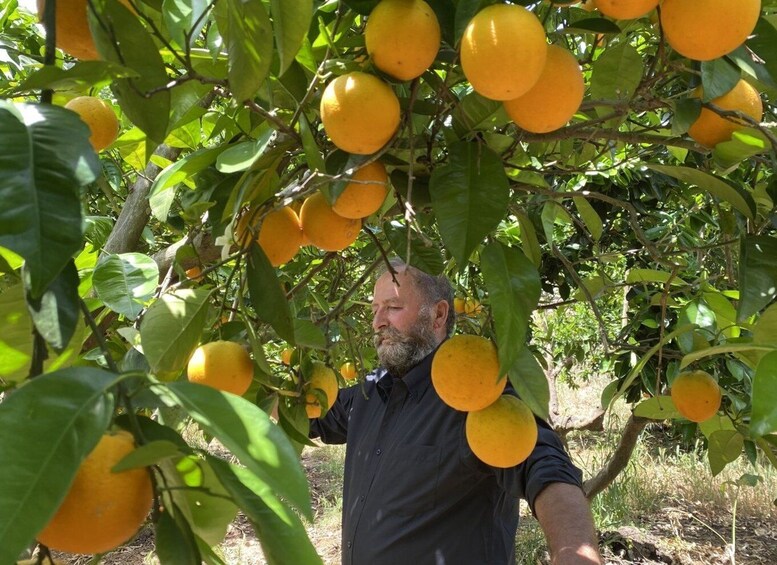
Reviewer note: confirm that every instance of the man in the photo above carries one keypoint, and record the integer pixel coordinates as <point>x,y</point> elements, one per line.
<point>414,493</point>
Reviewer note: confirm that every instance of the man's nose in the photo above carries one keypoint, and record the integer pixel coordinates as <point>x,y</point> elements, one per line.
<point>379,319</point>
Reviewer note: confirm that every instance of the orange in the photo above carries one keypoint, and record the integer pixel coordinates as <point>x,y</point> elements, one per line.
<point>286,355</point>
<point>223,365</point>
<point>503,434</point>
<point>348,371</point>
<point>72,29</point>
<point>99,116</point>
<point>707,29</point>
<point>465,373</point>
<point>102,509</point>
<point>710,128</point>
<point>626,9</point>
<point>402,37</point>
<point>588,5</point>
<point>280,235</point>
<point>696,395</point>
<point>359,112</point>
<point>458,305</point>
<point>322,378</point>
<point>365,193</point>
<point>325,229</point>
<point>554,99</point>
<point>503,51</point>
<point>194,274</point>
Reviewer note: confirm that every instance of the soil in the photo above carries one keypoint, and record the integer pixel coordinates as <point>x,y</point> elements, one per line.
<point>679,533</point>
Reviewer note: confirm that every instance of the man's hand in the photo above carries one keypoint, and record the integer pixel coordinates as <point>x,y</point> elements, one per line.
<point>565,517</point>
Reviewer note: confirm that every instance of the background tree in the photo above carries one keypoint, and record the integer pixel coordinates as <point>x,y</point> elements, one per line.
<point>606,235</point>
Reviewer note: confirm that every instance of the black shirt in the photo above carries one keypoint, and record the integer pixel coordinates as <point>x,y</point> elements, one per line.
<point>413,492</point>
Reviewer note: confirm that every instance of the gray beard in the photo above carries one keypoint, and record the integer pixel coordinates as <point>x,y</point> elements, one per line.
<point>405,351</point>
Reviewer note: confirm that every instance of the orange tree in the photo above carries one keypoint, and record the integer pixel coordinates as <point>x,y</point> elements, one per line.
<point>668,246</point>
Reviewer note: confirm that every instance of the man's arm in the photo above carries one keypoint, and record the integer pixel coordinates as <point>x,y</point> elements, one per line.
<point>565,517</point>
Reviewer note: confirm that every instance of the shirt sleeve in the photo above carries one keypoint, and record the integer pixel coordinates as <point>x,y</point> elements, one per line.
<point>548,463</point>
<point>333,427</point>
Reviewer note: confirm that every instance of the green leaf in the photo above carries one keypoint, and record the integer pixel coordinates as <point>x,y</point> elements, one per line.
<point>744,143</point>
<point>616,74</point>
<point>291,21</point>
<point>174,541</point>
<point>513,284</point>
<point>307,334</point>
<point>247,33</point>
<point>115,25</point>
<point>596,25</point>
<point>56,313</point>
<point>125,282</point>
<point>424,255</point>
<point>184,19</point>
<point>650,275</point>
<point>764,397</point>
<point>77,78</point>
<point>657,408</point>
<point>765,328</point>
<point>764,44</point>
<point>469,194</point>
<point>267,296</point>
<point>530,382</point>
<point>686,112</point>
<point>757,274</point>
<point>721,350</point>
<point>45,157</point>
<point>171,329</point>
<point>15,335</point>
<point>206,503</point>
<point>529,242</point>
<point>48,427</point>
<point>246,431</point>
<point>313,155</point>
<point>590,218</point>
<point>241,156</point>
<point>724,447</point>
<point>716,423</point>
<point>718,77</point>
<point>280,531</point>
<point>716,186</point>
<point>148,454</point>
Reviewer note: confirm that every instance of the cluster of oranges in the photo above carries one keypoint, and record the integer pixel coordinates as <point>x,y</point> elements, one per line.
<point>500,429</point>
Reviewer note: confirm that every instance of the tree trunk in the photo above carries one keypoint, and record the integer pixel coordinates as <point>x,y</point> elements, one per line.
<point>619,459</point>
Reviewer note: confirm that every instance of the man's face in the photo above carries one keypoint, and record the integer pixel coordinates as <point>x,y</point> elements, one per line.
<point>403,324</point>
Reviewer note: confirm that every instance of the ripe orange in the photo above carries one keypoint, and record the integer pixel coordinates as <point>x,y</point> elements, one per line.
<point>72,28</point>
<point>280,235</point>
<point>626,9</point>
<point>458,305</point>
<point>359,112</point>
<point>365,193</point>
<point>402,37</point>
<point>707,29</point>
<point>554,99</point>
<point>710,128</point>
<point>194,274</point>
<point>325,229</point>
<point>696,395</point>
<point>102,509</point>
<point>322,378</point>
<point>348,371</point>
<point>465,373</point>
<point>223,365</point>
<point>99,116</point>
<point>503,51</point>
<point>588,5</point>
<point>286,355</point>
<point>503,434</point>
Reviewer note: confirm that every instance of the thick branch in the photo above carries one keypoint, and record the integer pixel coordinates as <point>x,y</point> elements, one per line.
<point>206,252</point>
<point>137,211</point>
<point>619,459</point>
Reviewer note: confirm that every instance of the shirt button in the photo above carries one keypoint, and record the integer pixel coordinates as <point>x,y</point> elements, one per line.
<point>378,451</point>
<point>361,498</point>
<point>349,544</point>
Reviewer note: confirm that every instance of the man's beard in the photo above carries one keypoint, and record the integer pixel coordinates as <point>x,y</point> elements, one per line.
<point>403,351</point>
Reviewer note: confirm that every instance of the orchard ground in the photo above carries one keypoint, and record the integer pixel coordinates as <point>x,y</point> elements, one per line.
<point>664,508</point>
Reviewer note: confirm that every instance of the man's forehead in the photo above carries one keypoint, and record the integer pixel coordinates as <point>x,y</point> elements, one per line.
<point>390,287</point>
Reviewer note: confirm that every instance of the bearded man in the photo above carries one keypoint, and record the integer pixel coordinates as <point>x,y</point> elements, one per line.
<point>413,491</point>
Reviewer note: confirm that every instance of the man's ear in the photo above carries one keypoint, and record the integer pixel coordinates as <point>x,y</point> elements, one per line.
<point>441,314</point>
